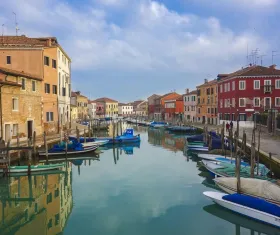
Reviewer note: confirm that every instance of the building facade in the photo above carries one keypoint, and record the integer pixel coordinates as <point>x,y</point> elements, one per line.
<point>190,104</point>
<point>251,90</point>
<point>110,106</point>
<point>151,105</point>
<point>207,98</point>
<point>92,109</point>
<point>20,103</point>
<point>174,109</point>
<point>74,112</point>
<point>125,110</point>
<point>81,102</point>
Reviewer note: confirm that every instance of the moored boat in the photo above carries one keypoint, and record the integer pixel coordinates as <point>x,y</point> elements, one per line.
<point>59,152</point>
<point>33,168</point>
<point>220,158</point>
<point>249,206</point>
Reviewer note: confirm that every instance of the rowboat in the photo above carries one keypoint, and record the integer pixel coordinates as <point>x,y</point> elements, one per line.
<point>249,206</point>
<point>253,187</point>
<point>70,152</point>
<point>219,158</point>
<point>36,168</point>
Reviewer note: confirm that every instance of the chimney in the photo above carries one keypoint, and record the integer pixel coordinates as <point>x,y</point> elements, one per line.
<point>205,80</point>
<point>187,91</point>
<point>49,42</point>
<point>272,66</point>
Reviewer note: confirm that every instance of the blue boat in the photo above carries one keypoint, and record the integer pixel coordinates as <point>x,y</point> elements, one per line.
<point>127,137</point>
<point>184,129</point>
<point>155,124</point>
<point>201,137</point>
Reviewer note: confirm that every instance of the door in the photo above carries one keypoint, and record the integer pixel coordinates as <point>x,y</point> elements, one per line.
<point>267,103</point>
<point>29,129</point>
<point>7,132</point>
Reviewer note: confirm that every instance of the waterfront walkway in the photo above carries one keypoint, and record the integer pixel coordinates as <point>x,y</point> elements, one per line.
<point>269,143</point>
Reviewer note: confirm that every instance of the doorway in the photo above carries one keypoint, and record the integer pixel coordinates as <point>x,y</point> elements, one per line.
<point>29,129</point>
<point>7,132</point>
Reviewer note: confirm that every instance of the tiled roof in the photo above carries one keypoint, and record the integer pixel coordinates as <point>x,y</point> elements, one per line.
<point>178,97</point>
<point>167,94</point>
<point>106,100</point>
<point>255,70</point>
<point>194,92</point>
<point>213,82</point>
<point>16,73</point>
<point>21,41</point>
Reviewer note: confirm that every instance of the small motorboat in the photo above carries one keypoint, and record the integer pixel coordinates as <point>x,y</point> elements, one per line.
<point>249,206</point>
<point>264,189</point>
<point>62,151</point>
<point>95,143</point>
<point>33,168</point>
<point>127,137</point>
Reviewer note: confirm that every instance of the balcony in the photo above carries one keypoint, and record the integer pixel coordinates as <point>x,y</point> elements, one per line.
<point>267,89</point>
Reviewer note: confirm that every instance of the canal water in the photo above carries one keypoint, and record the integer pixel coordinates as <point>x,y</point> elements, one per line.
<point>151,188</point>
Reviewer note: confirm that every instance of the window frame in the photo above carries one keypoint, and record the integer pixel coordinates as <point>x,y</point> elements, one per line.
<point>54,64</point>
<point>49,88</point>
<point>35,85</point>
<point>9,59</point>
<point>276,102</point>
<point>233,85</point>
<point>240,82</point>
<point>15,98</point>
<point>54,89</point>
<point>244,102</point>
<point>259,99</point>
<point>255,84</point>
<point>23,79</point>
<point>277,80</point>
<point>47,60</point>
<point>15,124</point>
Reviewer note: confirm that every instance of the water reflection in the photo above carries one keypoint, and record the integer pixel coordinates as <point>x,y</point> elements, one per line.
<point>39,204</point>
<point>241,222</point>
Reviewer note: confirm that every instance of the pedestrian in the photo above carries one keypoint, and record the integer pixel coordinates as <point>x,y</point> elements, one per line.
<point>227,127</point>
<point>231,125</point>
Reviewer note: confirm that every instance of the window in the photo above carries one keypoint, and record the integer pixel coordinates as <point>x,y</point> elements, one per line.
<point>225,85</point>
<point>56,219</point>
<point>242,102</point>
<point>63,91</point>
<point>267,85</point>
<point>50,224</point>
<point>23,84</point>
<point>228,86</point>
<point>47,88</point>
<point>257,84</point>
<point>242,85</point>
<point>9,61</point>
<point>233,85</point>
<point>221,103</point>
<point>256,102</point>
<point>46,61</point>
<point>226,103</point>
<point>15,129</point>
<point>33,85</point>
<point>49,116</point>
<point>233,102</point>
<point>221,88</point>
<point>54,64</point>
<point>208,110</point>
<point>277,101</point>
<point>277,83</point>
<point>15,104</point>
<point>54,89</point>
<point>56,193</point>
<point>58,54</point>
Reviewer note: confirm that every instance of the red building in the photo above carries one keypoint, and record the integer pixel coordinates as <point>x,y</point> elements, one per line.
<point>251,90</point>
<point>174,108</point>
<point>152,104</point>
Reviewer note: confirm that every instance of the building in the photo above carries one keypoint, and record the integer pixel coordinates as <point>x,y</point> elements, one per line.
<point>140,108</point>
<point>174,109</point>
<point>125,110</point>
<point>100,109</point>
<point>251,90</point>
<point>190,103</point>
<point>20,105</point>
<point>110,106</point>
<point>207,102</point>
<point>81,102</point>
<point>40,57</point>
<point>74,112</point>
<point>151,105</point>
<point>92,109</point>
<point>159,105</point>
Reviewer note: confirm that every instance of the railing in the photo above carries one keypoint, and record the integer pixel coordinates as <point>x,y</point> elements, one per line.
<point>267,88</point>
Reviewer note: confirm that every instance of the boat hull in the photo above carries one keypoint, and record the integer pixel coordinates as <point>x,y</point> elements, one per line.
<point>72,152</point>
<point>243,210</point>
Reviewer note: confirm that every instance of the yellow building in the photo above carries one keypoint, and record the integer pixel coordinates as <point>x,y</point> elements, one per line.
<point>74,112</point>
<point>21,105</point>
<point>111,106</point>
<point>81,102</point>
<point>38,204</point>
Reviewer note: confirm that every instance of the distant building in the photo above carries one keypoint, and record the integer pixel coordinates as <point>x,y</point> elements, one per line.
<point>174,108</point>
<point>125,110</point>
<point>74,112</point>
<point>110,106</point>
<point>21,104</point>
<point>151,105</point>
<point>190,103</point>
<point>251,90</point>
<point>207,102</point>
<point>140,108</point>
<point>81,102</point>
<point>92,109</point>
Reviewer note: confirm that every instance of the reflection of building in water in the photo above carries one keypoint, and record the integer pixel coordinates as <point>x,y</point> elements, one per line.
<point>38,204</point>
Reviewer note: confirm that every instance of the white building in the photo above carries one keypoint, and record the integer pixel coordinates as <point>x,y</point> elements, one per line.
<point>92,109</point>
<point>64,87</point>
<point>125,110</point>
<point>190,104</point>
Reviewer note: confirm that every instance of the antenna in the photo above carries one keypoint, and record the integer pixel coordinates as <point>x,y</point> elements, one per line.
<point>3,29</point>
<point>17,29</point>
<point>247,61</point>
<point>261,56</point>
<point>272,55</point>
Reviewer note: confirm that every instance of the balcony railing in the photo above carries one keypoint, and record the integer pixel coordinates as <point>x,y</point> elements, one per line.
<point>267,88</point>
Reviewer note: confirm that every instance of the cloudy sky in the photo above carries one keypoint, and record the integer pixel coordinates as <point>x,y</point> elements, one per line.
<point>130,49</point>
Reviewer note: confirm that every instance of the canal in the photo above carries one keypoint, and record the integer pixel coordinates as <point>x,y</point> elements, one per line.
<point>151,188</point>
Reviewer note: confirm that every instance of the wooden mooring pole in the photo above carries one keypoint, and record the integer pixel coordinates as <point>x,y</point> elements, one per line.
<point>46,147</point>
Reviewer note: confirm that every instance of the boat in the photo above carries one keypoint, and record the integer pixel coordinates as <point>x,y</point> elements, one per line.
<point>220,158</point>
<point>198,148</point>
<point>184,129</point>
<point>95,143</point>
<point>250,186</point>
<point>249,206</point>
<point>59,152</point>
<point>240,221</point>
<point>223,169</point>
<point>158,124</point>
<point>33,168</point>
<point>201,137</point>
<point>126,137</point>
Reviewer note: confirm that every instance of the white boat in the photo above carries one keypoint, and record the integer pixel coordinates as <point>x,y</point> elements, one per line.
<point>212,166</point>
<point>220,158</point>
<point>95,143</point>
<point>252,187</point>
<point>256,214</point>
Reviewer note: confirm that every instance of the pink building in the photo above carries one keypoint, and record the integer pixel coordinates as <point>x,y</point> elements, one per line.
<point>190,103</point>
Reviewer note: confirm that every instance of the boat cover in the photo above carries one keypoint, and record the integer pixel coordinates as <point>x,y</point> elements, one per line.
<point>256,187</point>
<point>254,203</point>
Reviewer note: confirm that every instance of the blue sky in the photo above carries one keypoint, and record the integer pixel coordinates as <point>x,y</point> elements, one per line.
<point>130,49</point>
